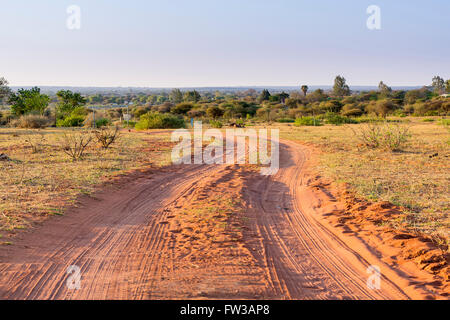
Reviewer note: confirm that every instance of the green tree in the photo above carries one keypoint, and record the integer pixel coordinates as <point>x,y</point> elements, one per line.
<point>214,112</point>
<point>68,101</point>
<point>283,96</point>
<point>304,90</point>
<point>26,101</point>
<point>340,88</point>
<point>385,91</point>
<point>447,86</point>
<point>317,96</point>
<point>192,96</point>
<point>176,96</point>
<point>264,96</point>
<point>182,108</point>
<point>412,96</point>
<point>5,91</point>
<point>438,85</point>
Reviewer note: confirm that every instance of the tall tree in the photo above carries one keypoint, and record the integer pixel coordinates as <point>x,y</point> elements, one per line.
<point>438,85</point>
<point>176,96</point>
<point>26,101</point>
<point>384,89</point>
<point>340,88</point>
<point>192,96</point>
<point>447,86</point>
<point>5,91</point>
<point>264,96</point>
<point>305,90</point>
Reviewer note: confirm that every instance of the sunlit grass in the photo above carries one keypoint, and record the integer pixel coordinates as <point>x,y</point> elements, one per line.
<point>42,181</point>
<point>416,178</point>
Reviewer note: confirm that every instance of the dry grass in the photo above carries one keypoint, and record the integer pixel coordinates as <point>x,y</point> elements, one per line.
<point>416,177</point>
<point>41,180</point>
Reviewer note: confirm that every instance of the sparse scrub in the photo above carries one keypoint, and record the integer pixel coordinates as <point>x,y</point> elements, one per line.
<point>36,142</point>
<point>385,136</point>
<point>107,136</point>
<point>215,124</point>
<point>75,144</point>
<point>415,179</point>
<point>31,121</point>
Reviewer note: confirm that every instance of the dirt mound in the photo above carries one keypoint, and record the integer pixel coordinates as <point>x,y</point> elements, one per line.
<point>386,223</point>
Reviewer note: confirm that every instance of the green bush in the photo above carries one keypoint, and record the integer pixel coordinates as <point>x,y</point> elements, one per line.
<point>71,121</point>
<point>307,121</point>
<point>285,120</point>
<point>155,120</point>
<point>336,119</point>
<point>215,124</point>
<point>80,111</point>
<point>384,136</point>
<point>102,122</point>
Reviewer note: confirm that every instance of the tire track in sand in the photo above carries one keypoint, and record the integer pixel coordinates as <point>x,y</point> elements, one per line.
<point>121,242</point>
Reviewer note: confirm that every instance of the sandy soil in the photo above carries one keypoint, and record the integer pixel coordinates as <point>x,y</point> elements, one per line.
<point>210,232</point>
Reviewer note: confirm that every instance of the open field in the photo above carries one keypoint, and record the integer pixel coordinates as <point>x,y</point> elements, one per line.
<point>416,178</point>
<point>41,180</point>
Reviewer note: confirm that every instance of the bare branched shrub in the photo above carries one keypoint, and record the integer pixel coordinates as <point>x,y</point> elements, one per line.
<point>106,136</point>
<point>384,136</point>
<point>75,144</point>
<point>35,141</point>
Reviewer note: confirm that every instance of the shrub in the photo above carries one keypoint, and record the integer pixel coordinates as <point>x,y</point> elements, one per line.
<point>3,119</point>
<point>107,136</point>
<point>384,136</point>
<point>31,121</point>
<point>381,107</point>
<point>215,124</point>
<point>307,121</point>
<point>286,120</point>
<point>102,122</point>
<point>80,111</point>
<point>336,119</point>
<point>99,121</point>
<point>70,121</point>
<point>214,112</point>
<point>182,108</point>
<point>75,144</point>
<point>35,141</point>
<point>155,120</point>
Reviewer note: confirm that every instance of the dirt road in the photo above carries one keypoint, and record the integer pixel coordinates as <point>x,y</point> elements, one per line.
<point>126,247</point>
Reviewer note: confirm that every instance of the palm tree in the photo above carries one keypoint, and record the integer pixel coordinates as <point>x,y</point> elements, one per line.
<point>305,89</point>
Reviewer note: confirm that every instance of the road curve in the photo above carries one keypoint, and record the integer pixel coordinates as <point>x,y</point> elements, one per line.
<point>117,239</point>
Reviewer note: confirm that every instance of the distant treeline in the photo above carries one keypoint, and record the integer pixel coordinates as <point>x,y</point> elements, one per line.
<point>68,108</point>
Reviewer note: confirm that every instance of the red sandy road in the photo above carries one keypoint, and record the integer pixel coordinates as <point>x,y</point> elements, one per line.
<point>118,241</point>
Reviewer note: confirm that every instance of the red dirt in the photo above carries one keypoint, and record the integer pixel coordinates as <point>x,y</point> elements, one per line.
<point>209,232</point>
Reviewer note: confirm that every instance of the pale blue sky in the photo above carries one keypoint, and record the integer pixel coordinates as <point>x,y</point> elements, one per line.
<point>174,43</point>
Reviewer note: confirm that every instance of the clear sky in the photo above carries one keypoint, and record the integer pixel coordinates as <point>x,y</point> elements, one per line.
<point>178,43</point>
